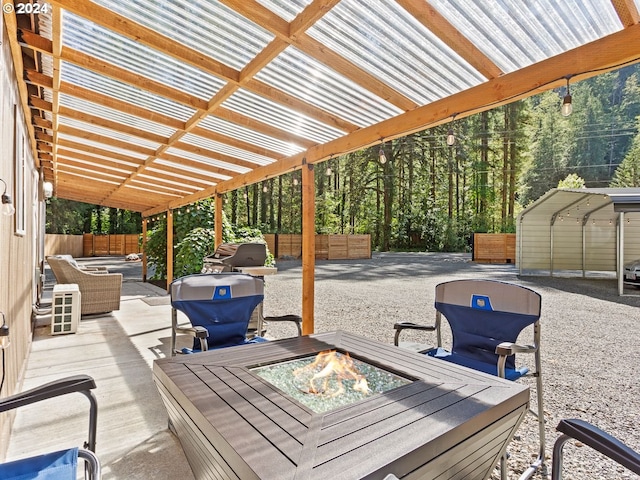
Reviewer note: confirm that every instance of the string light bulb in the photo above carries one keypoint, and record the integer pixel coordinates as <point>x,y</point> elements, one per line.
<point>567,107</point>
<point>451,137</point>
<point>381,155</point>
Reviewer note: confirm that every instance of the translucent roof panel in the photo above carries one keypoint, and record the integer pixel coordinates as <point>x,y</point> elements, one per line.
<point>114,115</point>
<point>206,26</point>
<point>111,148</point>
<point>135,57</point>
<point>207,160</point>
<point>185,177</point>
<point>515,34</point>
<point>226,149</point>
<point>272,113</point>
<point>224,127</point>
<point>287,9</point>
<point>98,83</point>
<point>403,54</point>
<point>325,88</point>
<point>106,132</point>
<point>188,169</point>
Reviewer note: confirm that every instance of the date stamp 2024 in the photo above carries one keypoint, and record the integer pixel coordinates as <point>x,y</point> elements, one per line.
<point>26,8</point>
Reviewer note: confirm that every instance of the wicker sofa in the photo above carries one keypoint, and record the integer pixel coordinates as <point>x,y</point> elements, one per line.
<point>99,290</point>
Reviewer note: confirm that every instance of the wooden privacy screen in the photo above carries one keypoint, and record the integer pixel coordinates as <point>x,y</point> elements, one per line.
<point>328,247</point>
<point>494,247</point>
<point>116,244</point>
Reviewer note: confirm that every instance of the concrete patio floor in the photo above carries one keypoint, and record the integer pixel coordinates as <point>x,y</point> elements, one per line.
<point>117,350</point>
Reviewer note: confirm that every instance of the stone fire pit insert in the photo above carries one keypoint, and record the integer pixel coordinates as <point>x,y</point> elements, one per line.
<point>233,424</point>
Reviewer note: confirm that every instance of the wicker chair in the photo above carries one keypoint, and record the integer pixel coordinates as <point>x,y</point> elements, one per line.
<point>99,291</point>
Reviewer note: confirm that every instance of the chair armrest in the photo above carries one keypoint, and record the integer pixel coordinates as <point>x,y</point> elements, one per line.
<point>398,327</point>
<point>297,319</point>
<point>509,348</point>
<point>196,331</point>
<point>94,269</point>
<point>77,383</point>
<point>601,441</point>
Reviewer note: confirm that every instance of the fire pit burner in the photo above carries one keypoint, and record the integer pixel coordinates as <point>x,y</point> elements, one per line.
<point>329,380</point>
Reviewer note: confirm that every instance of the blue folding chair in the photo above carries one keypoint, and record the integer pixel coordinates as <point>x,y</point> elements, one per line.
<point>599,440</point>
<point>486,317</point>
<point>63,464</point>
<point>219,307</point>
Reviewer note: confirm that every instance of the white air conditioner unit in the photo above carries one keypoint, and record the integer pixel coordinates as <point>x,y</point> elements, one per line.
<point>65,313</point>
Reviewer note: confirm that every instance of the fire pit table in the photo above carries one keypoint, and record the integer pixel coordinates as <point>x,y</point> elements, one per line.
<point>432,419</point>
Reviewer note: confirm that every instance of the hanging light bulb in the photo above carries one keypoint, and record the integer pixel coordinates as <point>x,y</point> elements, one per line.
<point>381,155</point>
<point>566,108</point>
<point>295,181</point>
<point>328,172</point>
<point>265,189</point>
<point>451,137</point>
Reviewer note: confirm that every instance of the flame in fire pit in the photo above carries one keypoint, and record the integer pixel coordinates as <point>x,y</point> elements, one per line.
<point>327,374</point>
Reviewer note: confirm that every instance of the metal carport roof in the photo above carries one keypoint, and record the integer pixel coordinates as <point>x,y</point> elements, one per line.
<point>590,229</point>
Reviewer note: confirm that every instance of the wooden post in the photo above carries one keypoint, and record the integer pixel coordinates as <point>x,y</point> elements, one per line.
<point>144,249</point>
<point>308,248</point>
<point>169,248</point>
<point>217,219</point>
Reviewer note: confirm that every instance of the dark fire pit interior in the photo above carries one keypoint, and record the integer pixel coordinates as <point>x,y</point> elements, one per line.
<point>435,420</point>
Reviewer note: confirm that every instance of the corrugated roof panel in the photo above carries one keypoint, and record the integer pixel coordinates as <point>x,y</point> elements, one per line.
<point>515,34</point>
<point>324,88</point>
<point>403,53</point>
<point>224,127</point>
<point>207,26</point>
<point>108,133</point>
<point>207,160</point>
<point>128,166</point>
<point>227,149</point>
<point>149,179</point>
<point>115,115</point>
<point>91,143</point>
<point>186,169</point>
<point>287,9</point>
<point>272,113</point>
<point>126,93</point>
<point>118,50</point>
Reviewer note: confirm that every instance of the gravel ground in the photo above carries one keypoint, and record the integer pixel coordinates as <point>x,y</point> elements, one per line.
<point>590,338</point>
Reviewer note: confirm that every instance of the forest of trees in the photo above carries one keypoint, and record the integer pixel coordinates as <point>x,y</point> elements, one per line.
<point>428,195</point>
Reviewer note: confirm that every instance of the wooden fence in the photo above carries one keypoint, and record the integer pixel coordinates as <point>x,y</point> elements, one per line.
<point>328,247</point>
<point>494,247</point>
<point>89,245</point>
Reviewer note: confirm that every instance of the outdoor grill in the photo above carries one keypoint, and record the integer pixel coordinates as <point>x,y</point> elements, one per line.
<point>228,256</point>
<point>436,418</point>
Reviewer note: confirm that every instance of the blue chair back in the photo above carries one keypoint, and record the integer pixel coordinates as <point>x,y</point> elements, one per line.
<point>220,302</point>
<point>484,313</point>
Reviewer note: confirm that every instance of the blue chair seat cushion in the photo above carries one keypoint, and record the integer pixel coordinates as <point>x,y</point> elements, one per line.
<point>490,368</point>
<point>60,465</point>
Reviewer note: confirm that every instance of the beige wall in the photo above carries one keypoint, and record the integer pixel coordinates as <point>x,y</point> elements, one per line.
<point>18,234</point>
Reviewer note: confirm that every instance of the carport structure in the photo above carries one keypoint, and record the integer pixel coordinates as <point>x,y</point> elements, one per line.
<point>579,231</point>
<point>151,105</point>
